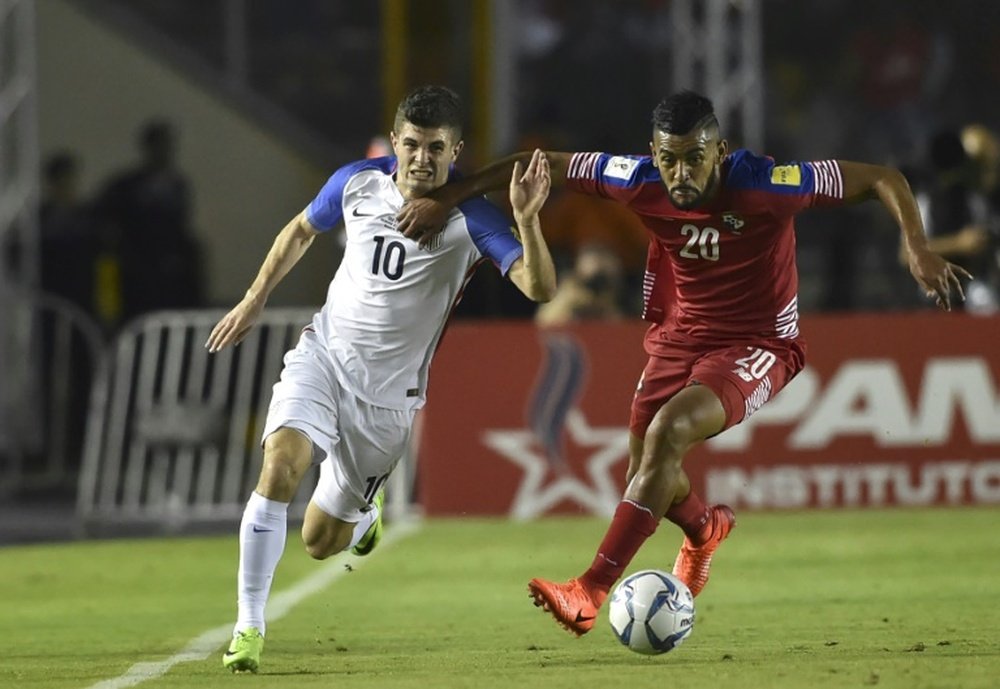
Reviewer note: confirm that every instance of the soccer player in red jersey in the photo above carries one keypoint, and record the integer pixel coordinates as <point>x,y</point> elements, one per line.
<point>721,291</point>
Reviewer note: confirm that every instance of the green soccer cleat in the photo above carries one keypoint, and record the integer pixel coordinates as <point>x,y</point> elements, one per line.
<point>374,533</point>
<point>244,651</point>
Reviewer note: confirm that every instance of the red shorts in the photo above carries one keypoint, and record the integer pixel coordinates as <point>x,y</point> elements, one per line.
<point>743,376</point>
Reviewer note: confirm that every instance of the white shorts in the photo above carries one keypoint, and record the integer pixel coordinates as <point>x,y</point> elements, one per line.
<point>356,444</point>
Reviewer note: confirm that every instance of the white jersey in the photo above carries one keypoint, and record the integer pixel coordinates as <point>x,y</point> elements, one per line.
<point>389,300</point>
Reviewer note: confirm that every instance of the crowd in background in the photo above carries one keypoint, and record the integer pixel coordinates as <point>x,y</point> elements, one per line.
<point>910,85</point>
<point>128,250</point>
<point>131,248</point>
<point>875,81</point>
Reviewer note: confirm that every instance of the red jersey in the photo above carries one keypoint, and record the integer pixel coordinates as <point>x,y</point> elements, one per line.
<point>724,272</point>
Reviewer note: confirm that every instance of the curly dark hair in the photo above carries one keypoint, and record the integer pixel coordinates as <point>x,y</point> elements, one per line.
<point>431,107</point>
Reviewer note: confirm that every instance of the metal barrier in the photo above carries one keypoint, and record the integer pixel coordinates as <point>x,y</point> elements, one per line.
<point>51,353</point>
<point>174,432</point>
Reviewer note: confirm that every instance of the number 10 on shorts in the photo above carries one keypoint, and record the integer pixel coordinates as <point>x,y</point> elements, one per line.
<point>372,486</point>
<point>756,365</point>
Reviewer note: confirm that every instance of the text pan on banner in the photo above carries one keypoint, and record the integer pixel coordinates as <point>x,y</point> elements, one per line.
<point>890,410</point>
<point>899,409</point>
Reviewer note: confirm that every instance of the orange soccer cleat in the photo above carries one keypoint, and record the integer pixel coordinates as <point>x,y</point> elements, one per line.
<point>693,562</point>
<point>572,604</point>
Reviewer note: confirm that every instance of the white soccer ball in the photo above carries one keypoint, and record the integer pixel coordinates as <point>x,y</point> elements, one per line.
<point>651,612</point>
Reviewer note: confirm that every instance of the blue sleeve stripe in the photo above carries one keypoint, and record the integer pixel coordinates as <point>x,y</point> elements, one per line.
<point>625,172</point>
<point>508,261</point>
<point>327,209</point>
<point>313,220</point>
<point>820,178</point>
<point>749,171</point>
<point>490,232</point>
<point>644,175</point>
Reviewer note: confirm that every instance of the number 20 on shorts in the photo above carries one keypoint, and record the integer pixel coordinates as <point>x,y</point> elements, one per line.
<point>756,365</point>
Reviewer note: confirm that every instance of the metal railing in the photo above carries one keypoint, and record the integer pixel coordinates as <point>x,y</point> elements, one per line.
<point>174,432</point>
<point>51,352</point>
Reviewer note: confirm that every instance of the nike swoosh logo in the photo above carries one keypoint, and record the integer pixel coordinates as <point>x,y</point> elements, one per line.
<point>581,618</point>
<point>356,214</point>
<point>257,529</point>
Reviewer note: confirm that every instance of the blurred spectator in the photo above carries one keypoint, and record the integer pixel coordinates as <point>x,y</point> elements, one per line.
<point>575,225</point>
<point>68,245</point>
<point>378,147</point>
<point>958,219</point>
<point>573,221</point>
<point>579,228</point>
<point>592,290</point>
<point>583,47</point>
<point>983,149</point>
<point>145,213</point>
<point>67,255</point>
<point>901,64</point>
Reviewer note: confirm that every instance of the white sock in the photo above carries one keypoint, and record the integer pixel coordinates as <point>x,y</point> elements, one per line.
<point>367,519</point>
<point>262,541</point>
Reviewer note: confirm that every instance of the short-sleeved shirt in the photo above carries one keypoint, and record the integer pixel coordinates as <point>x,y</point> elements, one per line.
<point>724,272</point>
<point>389,301</point>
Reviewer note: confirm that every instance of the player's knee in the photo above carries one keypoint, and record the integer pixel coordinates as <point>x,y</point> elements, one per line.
<point>278,479</point>
<point>674,432</point>
<point>282,467</point>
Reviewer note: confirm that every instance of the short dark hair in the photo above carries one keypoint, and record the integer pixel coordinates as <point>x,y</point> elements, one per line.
<point>682,112</point>
<point>431,107</point>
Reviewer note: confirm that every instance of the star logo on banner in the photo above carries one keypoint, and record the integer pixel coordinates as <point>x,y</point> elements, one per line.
<point>542,488</point>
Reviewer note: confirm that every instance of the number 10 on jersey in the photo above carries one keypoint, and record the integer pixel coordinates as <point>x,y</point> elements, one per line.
<point>388,259</point>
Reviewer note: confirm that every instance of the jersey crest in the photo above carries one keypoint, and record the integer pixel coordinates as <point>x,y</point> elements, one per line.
<point>733,222</point>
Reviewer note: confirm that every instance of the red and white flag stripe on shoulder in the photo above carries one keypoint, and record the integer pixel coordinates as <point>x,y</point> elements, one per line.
<point>828,180</point>
<point>582,166</point>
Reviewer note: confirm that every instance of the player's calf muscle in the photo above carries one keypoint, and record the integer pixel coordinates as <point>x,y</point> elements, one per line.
<point>323,540</point>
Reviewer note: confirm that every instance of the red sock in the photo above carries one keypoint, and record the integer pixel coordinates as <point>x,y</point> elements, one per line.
<point>630,527</point>
<point>691,514</point>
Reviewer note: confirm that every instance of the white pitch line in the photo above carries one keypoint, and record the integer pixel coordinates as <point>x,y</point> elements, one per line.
<point>202,646</point>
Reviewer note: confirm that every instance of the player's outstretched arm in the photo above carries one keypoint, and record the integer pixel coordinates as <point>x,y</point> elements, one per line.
<point>936,276</point>
<point>288,247</point>
<point>422,218</point>
<point>534,273</point>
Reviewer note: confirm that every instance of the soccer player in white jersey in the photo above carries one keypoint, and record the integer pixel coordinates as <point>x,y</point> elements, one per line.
<point>349,390</point>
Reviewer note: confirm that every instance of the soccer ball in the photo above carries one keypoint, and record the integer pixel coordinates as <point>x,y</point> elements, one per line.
<point>651,612</point>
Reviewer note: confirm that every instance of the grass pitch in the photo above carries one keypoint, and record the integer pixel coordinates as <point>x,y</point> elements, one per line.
<point>888,599</point>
